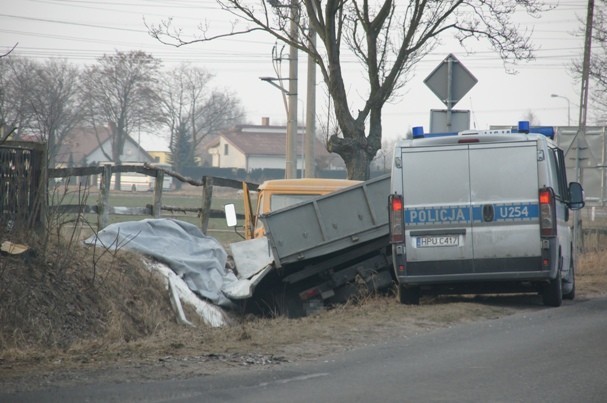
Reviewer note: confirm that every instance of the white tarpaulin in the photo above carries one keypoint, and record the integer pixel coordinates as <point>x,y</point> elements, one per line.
<point>198,259</point>
<point>212,314</point>
<point>253,260</point>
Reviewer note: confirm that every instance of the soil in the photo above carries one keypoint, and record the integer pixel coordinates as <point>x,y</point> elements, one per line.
<point>73,315</point>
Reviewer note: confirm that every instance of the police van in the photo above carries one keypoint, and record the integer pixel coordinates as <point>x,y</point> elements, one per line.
<point>482,211</point>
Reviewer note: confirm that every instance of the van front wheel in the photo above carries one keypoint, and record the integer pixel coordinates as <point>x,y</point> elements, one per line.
<point>552,293</point>
<point>408,295</point>
<point>569,289</point>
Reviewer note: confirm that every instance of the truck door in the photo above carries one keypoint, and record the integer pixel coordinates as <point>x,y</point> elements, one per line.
<point>504,199</point>
<point>436,192</point>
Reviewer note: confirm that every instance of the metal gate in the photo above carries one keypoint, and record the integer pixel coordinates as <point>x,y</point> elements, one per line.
<point>22,190</point>
<point>592,155</point>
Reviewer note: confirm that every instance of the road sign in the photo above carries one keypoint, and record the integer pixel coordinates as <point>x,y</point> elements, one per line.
<point>450,81</point>
<point>442,120</point>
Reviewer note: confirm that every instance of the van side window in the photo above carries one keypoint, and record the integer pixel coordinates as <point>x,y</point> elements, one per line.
<point>560,174</point>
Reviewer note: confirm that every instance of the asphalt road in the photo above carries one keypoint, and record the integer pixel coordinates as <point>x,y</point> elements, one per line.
<point>550,355</point>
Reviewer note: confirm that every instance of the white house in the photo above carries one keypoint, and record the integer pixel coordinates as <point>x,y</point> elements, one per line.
<point>86,146</point>
<point>263,146</point>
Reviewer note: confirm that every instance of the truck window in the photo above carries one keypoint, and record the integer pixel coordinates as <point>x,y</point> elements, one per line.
<point>279,201</point>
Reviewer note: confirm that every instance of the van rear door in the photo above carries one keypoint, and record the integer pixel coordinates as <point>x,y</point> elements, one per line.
<point>472,207</point>
<point>436,192</point>
<point>504,190</point>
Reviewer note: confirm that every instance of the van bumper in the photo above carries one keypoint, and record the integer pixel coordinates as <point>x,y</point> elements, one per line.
<point>527,269</point>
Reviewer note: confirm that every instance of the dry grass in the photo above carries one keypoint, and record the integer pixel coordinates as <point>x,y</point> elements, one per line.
<point>591,275</point>
<point>54,301</point>
<point>73,307</point>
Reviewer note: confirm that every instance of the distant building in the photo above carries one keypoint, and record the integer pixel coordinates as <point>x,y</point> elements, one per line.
<point>161,157</point>
<point>87,146</point>
<point>263,146</point>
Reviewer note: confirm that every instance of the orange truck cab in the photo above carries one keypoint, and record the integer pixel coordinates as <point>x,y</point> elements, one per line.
<point>276,194</point>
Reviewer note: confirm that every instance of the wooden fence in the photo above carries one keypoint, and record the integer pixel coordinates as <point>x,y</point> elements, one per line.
<point>24,184</point>
<point>103,209</point>
<point>22,180</point>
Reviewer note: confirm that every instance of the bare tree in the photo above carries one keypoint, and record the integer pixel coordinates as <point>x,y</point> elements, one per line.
<point>193,110</point>
<point>15,83</point>
<point>383,158</point>
<point>598,59</point>
<point>387,37</point>
<point>10,51</point>
<point>122,91</point>
<point>54,100</point>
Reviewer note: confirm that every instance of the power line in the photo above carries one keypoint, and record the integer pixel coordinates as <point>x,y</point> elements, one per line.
<point>72,23</point>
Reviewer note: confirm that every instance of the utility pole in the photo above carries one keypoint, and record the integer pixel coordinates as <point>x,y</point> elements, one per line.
<point>291,157</point>
<point>577,222</point>
<point>309,168</point>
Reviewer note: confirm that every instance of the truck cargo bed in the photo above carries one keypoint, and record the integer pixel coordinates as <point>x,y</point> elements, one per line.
<point>335,222</point>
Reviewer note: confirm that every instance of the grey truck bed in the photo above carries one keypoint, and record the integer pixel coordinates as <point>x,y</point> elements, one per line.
<point>329,224</point>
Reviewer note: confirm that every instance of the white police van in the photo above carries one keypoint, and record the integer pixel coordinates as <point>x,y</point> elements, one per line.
<point>482,211</point>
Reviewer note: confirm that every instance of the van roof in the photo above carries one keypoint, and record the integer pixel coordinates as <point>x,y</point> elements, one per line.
<point>474,138</point>
<point>307,184</point>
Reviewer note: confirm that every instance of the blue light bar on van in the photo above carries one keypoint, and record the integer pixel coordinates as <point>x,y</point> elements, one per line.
<point>548,131</point>
<point>418,132</point>
<point>523,127</point>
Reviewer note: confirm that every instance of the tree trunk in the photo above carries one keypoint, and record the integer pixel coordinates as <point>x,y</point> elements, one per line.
<point>355,155</point>
<point>356,149</point>
<point>359,165</point>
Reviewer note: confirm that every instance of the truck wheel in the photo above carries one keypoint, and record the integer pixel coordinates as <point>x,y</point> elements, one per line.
<point>408,295</point>
<point>293,306</point>
<point>569,289</point>
<point>552,293</point>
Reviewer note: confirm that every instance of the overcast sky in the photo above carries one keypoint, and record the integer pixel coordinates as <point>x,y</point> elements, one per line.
<point>83,30</point>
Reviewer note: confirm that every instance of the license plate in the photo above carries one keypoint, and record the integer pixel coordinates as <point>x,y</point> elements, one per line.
<point>436,241</point>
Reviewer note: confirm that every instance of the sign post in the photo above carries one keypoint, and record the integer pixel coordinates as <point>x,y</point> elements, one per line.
<point>450,81</point>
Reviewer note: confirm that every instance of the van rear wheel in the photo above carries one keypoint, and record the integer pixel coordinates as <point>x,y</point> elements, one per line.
<point>408,295</point>
<point>552,293</point>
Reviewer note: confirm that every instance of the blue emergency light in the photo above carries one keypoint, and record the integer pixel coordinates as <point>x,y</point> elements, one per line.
<point>548,131</point>
<point>523,127</point>
<point>418,132</point>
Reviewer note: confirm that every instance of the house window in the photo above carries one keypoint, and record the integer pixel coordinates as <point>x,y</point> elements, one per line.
<point>225,149</point>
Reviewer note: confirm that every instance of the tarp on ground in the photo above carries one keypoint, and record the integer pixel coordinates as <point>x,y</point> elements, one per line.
<point>198,259</point>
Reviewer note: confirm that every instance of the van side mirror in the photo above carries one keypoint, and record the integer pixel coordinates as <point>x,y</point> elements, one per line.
<point>576,196</point>
<point>230,212</point>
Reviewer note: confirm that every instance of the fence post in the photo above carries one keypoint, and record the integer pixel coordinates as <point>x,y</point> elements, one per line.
<point>207,195</point>
<point>158,185</point>
<point>43,197</point>
<point>103,204</point>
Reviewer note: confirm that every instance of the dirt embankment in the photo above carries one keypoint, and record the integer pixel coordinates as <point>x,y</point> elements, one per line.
<point>81,315</point>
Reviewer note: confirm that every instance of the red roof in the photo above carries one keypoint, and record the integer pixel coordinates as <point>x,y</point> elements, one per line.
<point>267,140</point>
<point>81,142</point>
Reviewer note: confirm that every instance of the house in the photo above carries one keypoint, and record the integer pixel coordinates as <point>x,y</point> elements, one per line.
<point>161,157</point>
<point>263,146</point>
<point>86,146</point>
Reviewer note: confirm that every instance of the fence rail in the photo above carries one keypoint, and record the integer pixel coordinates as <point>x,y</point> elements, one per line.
<point>104,209</point>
